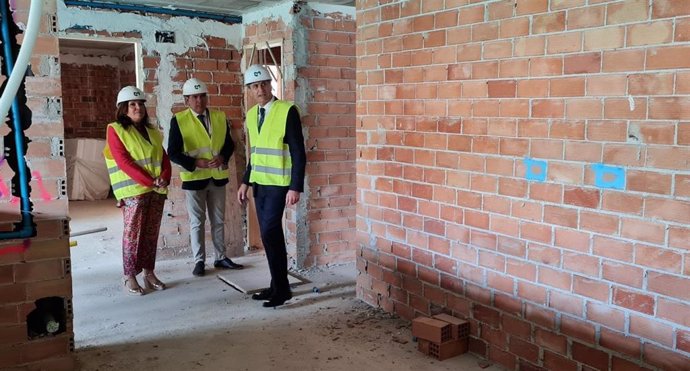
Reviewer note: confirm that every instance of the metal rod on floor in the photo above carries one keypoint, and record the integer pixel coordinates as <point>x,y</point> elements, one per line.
<point>88,231</point>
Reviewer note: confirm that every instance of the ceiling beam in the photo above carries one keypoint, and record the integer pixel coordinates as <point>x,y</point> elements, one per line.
<point>231,19</point>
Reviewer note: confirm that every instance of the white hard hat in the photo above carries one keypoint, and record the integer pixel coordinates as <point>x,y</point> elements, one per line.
<point>194,86</point>
<point>256,72</point>
<point>130,93</point>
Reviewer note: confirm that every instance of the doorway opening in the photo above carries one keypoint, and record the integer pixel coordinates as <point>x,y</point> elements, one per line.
<point>269,55</point>
<point>92,74</point>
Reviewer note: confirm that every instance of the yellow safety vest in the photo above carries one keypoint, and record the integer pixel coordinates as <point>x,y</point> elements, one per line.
<point>147,154</point>
<point>198,143</point>
<point>270,157</point>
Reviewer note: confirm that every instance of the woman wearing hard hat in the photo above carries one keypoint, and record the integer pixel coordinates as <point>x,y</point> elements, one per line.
<point>139,172</point>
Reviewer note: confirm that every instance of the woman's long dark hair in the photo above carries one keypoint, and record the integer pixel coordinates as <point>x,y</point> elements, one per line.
<point>125,121</point>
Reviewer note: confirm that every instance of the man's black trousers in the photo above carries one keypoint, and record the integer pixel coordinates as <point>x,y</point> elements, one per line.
<point>270,204</point>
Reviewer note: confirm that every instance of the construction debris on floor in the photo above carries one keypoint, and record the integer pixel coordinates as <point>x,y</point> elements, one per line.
<point>442,336</point>
<point>202,323</point>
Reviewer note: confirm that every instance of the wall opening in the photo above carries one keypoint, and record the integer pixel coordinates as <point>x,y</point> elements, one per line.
<point>270,55</point>
<point>48,319</point>
<point>92,74</point>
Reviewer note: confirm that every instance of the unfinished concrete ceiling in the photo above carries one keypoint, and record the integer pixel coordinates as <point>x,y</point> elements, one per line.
<point>225,7</point>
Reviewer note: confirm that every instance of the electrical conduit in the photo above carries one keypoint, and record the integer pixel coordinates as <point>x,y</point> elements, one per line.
<point>16,72</point>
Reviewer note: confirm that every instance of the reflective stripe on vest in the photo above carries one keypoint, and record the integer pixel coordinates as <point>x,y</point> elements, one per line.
<point>146,154</point>
<point>200,152</point>
<point>123,184</point>
<point>271,170</point>
<point>198,144</point>
<point>271,152</point>
<point>141,163</point>
<point>270,156</point>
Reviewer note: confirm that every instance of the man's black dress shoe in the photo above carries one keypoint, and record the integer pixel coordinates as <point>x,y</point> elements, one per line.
<point>227,264</point>
<point>199,269</point>
<point>264,294</point>
<point>277,300</point>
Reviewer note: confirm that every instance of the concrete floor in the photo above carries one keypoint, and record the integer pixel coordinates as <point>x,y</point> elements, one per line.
<point>204,324</point>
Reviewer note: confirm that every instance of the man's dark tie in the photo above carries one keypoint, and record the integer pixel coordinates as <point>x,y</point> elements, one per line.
<point>203,121</point>
<point>262,113</point>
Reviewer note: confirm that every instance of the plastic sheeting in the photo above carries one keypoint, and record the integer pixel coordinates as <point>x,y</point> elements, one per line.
<point>87,175</point>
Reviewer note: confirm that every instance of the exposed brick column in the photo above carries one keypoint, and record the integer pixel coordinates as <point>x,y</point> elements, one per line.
<point>328,79</point>
<point>318,60</point>
<point>37,267</point>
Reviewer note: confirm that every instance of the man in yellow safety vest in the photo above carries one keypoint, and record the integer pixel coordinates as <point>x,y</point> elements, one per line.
<point>199,141</point>
<point>276,173</point>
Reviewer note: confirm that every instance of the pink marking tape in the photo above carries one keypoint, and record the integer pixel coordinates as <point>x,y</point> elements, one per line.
<point>44,193</point>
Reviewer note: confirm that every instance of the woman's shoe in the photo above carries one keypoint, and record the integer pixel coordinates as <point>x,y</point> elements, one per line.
<point>153,283</point>
<point>138,291</point>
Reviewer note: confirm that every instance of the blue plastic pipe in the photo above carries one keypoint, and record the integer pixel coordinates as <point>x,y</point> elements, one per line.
<point>27,229</point>
<point>232,19</point>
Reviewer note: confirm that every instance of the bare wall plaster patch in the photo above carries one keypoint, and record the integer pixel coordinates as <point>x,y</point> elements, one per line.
<point>279,11</point>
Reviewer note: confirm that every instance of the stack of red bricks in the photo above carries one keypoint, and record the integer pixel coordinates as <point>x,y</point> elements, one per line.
<point>441,336</point>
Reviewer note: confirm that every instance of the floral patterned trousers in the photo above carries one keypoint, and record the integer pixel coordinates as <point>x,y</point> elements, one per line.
<point>142,217</point>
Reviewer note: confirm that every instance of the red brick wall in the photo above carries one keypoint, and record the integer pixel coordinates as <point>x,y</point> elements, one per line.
<point>555,274</point>
<point>34,268</point>
<point>89,96</point>
<point>127,69</point>
<point>330,125</point>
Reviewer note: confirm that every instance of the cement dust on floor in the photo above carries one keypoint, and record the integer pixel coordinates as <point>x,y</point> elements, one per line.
<point>205,324</point>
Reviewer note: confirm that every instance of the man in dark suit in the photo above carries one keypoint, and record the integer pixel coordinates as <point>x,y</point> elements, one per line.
<point>199,141</point>
<point>275,172</point>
